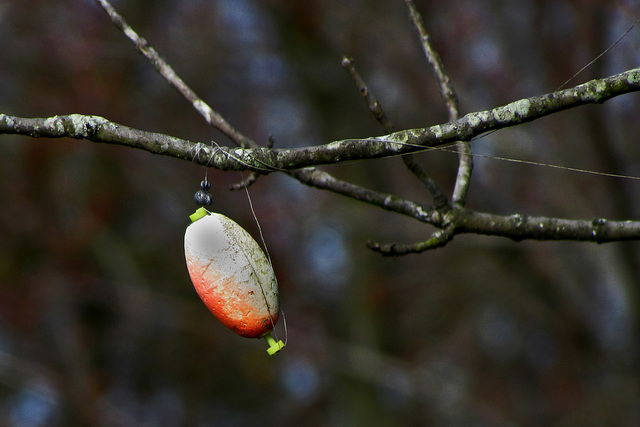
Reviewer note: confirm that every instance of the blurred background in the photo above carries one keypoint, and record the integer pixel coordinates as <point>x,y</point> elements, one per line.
<point>100,325</point>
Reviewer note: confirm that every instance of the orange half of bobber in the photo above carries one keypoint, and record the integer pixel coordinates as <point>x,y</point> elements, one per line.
<point>232,275</point>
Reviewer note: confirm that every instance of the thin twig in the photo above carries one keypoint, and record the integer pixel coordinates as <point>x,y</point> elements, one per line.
<point>465,159</point>
<point>372,102</point>
<point>439,199</point>
<point>210,115</point>
<point>245,183</point>
<point>437,240</point>
<point>446,88</point>
<point>253,176</point>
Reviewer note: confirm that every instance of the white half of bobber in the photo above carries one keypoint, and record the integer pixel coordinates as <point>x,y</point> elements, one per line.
<point>231,274</point>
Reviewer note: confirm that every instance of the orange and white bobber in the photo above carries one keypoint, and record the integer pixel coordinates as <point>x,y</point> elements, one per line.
<point>232,276</point>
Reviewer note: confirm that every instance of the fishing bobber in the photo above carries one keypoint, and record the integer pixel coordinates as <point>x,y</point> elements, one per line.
<point>232,276</point>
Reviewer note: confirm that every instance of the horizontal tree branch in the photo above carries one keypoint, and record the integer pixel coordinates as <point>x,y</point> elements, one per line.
<point>463,129</point>
<point>516,227</point>
<point>452,219</point>
<point>266,160</point>
<point>98,129</point>
<point>519,227</point>
<point>456,220</point>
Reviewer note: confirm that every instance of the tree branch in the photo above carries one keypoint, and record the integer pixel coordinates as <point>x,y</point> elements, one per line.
<point>321,180</point>
<point>465,159</point>
<point>437,240</point>
<point>210,115</point>
<point>439,199</point>
<point>464,129</point>
<point>516,227</point>
<point>99,129</point>
<point>444,82</point>
<point>519,227</point>
<point>299,162</point>
<point>372,102</point>
<point>453,221</point>
<point>266,160</point>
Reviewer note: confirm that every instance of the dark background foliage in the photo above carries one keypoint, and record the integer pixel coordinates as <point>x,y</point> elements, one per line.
<point>99,323</point>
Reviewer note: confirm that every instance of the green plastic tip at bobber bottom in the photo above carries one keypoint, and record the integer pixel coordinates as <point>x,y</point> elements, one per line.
<point>274,346</point>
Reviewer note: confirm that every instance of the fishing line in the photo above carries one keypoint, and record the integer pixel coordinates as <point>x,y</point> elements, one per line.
<point>255,217</point>
<point>251,260</point>
<point>215,145</point>
<point>550,165</point>
<point>286,330</point>
<point>266,251</point>
<point>534,163</point>
<point>599,56</point>
<point>604,52</point>
<point>448,148</point>
<point>258,276</point>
